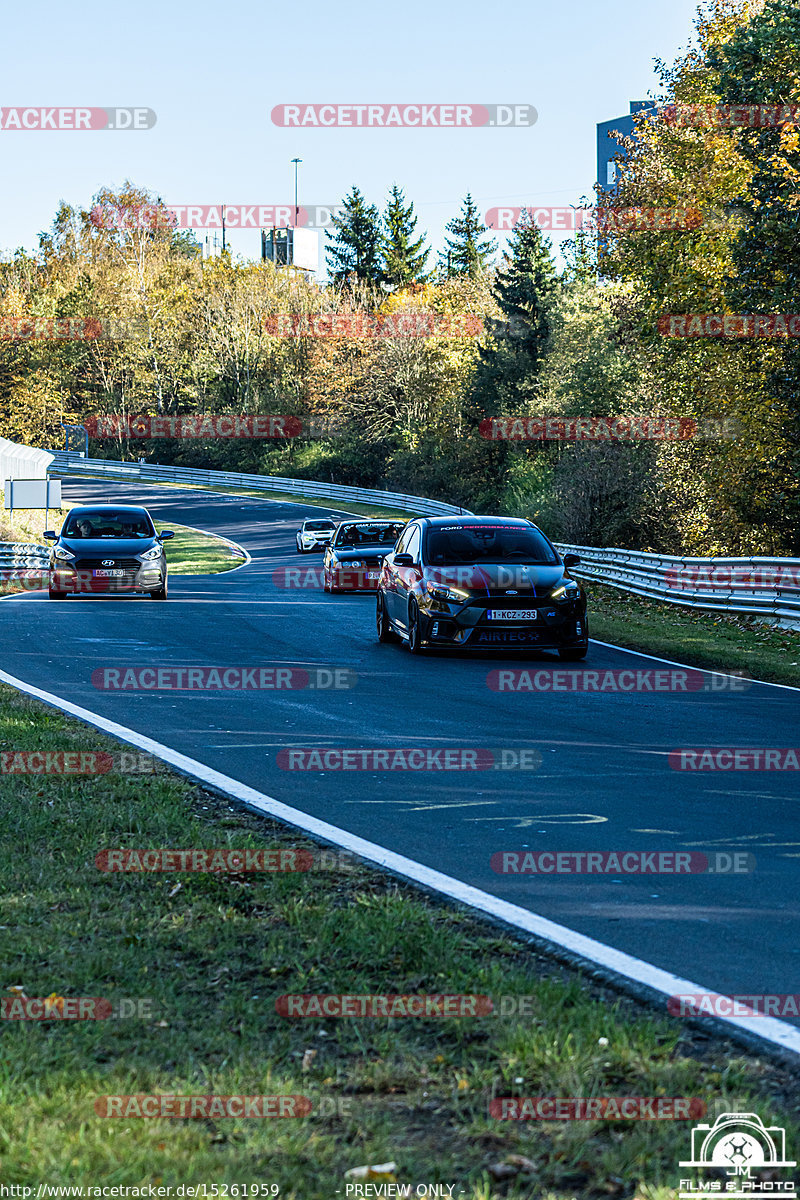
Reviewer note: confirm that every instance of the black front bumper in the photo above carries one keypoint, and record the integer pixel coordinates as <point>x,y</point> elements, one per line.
<point>82,580</point>
<point>553,629</point>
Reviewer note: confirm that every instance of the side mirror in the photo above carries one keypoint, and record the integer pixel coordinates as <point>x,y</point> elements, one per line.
<point>403,560</point>
<point>165,535</point>
<point>49,536</point>
<point>571,560</point>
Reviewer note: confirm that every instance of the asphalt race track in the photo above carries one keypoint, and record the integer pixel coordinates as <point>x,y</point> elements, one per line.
<point>604,784</point>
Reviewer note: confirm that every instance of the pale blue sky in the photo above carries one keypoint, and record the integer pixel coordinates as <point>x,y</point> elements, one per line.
<point>213,72</point>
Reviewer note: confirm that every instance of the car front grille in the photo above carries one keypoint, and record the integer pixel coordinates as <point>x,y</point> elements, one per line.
<point>130,566</point>
<point>501,600</point>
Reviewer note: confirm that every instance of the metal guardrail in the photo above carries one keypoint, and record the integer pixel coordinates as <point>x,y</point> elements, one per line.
<point>23,554</point>
<point>766,588</point>
<point>70,463</point>
<point>23,565</point>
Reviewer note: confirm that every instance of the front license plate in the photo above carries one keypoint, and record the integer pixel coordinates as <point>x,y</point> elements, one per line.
<point>512,614</point>
<point>373,574</point>
<point>115,574</point>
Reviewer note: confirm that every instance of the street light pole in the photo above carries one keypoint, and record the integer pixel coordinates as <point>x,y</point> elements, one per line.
<point>296,162</point>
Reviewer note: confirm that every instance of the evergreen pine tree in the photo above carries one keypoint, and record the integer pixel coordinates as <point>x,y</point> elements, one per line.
<point>467,252</point>
<point>403,258</point>
<point>525,288</point>
<point>354,245</point>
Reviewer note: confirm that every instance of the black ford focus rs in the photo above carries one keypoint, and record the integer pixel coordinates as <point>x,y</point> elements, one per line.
<point>106,548</point>
<point>481,583</point>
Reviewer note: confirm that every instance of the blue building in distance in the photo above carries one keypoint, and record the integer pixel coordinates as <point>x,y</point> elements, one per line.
<point>607,147</point>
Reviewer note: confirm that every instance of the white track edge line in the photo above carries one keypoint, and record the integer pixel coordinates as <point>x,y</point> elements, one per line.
<point>219,538</point>
<point>706,670</point>
<point>769,1029</point>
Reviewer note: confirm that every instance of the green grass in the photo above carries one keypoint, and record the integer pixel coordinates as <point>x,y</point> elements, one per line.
<point>213,952</point>
<point>28,524</point>
<point>194,552</point>
<point>712,640</point>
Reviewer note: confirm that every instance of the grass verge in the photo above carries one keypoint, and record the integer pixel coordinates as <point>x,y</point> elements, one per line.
<point>712,640</point>
<point>211,953</point>
<point>194,552</point>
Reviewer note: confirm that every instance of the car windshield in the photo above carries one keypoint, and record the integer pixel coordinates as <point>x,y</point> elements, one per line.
<point>320,525</point>
<point>379,534</point>
<point>108,525</point>
<point>487,544</point>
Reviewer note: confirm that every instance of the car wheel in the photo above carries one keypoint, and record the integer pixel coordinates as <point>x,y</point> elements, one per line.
<point>300,549</point>
<point>56,595</point>
<point>414,641</point>
<point>385,631</point>
<point>161,593</point>
<point>573,653</point>
<point>326,583</point>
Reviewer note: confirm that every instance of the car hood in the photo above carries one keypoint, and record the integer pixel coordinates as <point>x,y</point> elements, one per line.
<point>346,553</point>
<point>107,547</point>
<point>493,578</point>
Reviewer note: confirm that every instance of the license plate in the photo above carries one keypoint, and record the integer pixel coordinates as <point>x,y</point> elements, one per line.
<point>373,574</point>
<point>118,573</point>
<point>512,614</point>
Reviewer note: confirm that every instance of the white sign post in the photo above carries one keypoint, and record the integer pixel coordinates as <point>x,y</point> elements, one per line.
<point>32,493</point>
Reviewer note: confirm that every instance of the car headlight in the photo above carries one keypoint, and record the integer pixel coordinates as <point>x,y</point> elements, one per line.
<point>356,562</point>
<point>566,591</point>
<point>62,553</point>
<point>151,554</point>
<point>458,595</point>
